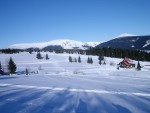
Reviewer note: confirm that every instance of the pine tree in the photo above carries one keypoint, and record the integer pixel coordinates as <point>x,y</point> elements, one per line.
<point>46,57</point>
<point>101,57</point>
<point>88,60</point>
<point>100,62</point>
<point>138,66</point>
<point>11,66</point>
<point>79,59</point>
<point>118,67</point>
<point>70,59</point>
<point>27,71</point>
<point>0,66</point>
<point>38,56</point>
<point>1,71</point>
<point>30,51</point>
<point>104,62</point>
<point>91,60</point>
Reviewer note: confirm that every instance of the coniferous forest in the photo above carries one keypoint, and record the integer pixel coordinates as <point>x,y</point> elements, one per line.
<point>108,52</point>
<point>120,53</point>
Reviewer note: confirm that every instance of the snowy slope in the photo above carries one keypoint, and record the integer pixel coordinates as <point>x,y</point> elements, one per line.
<point>63,87</point>
<point>64,43</point>
<point>92,44</point>
<point>125,35</point>
<point>128,41</point>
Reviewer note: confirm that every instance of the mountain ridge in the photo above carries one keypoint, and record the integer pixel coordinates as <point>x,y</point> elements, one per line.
<point>61,43</point>
<point>123,41</point>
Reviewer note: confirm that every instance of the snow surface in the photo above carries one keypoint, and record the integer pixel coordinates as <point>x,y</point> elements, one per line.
<point>63,87</point>
<point>64,43</point>
<point>92,44</point>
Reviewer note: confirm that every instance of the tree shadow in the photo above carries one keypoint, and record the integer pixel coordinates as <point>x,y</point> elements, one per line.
<point>142,103</point>
<point>14,101</point>
<point>82,107</point>
<point>105,105</point>
<point>60,102</point>
<point>65,101</point>
<point>121,109</point>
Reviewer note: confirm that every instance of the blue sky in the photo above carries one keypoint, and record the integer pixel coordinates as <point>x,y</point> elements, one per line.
<point>23,21</point>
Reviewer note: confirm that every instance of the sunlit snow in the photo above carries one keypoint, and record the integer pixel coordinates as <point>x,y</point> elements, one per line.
<point>64,43</point>
<point>63,87</point>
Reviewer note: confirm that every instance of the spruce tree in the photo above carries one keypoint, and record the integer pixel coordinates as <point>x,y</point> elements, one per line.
<point>104,62</point>
<point>46,57</point>
<point>101,57</point>
<point>27,71</point>
<point>138,66</point>
<point>91,60</point>
<point>1,71</point>
<point>88,60</point>
<point>38,56</point>
<point>70,59</point>
<point>79,59</point>
<point>118,67</point>
<point>100,62</point>
<point>0,66</point>
<point>11,66</point>
<point>30,51</point>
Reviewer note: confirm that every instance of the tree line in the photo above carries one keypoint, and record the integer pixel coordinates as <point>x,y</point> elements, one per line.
<point>10,51</point>
<point>108,52</point>
<point>120,53</point>
<point>31,50</point>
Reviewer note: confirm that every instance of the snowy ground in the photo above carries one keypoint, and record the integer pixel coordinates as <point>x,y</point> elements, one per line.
<point>63,87</point>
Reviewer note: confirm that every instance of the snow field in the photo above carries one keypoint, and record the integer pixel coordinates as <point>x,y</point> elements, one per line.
<point>63,87</point>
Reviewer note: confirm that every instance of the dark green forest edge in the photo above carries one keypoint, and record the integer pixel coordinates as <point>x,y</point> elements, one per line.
<point>108,52</point>
<point>120,53</point>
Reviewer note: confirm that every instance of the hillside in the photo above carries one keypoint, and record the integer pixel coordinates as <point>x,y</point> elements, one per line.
<point>128,42</point>
<point>56,44</point>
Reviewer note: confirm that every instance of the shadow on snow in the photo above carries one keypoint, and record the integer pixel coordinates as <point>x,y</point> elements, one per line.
<point>49,101</point>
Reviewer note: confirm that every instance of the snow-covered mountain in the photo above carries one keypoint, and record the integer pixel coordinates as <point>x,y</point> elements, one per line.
<point>57,44</point>
<point>128,41</point>
<point>125,35</point>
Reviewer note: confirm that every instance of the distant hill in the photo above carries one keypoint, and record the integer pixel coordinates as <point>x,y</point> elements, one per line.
<point>56,45</point>
<point>128,42</point>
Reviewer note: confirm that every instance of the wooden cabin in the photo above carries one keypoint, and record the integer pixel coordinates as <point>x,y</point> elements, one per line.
<point>126,63</point>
